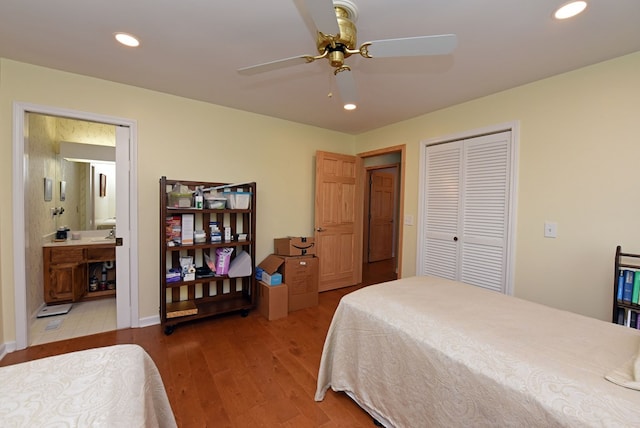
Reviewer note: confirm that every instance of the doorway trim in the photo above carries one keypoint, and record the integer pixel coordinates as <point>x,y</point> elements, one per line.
<point>20,109</point>
<point>369,170</point>
<point>401,176</point>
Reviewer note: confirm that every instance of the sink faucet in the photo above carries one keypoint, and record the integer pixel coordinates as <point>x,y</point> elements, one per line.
<point>112,233</point>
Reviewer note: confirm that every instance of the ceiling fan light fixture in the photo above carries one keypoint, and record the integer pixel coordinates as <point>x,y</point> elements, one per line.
<point>569,10</point>
<point>346,87</point>
<point>127,39</point>
<point>336,58</point>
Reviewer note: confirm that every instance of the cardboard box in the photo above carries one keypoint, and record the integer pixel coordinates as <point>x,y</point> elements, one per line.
<point>294,246</point>
<point>271,279</point>
<point>301,276</point>
<point>300,273</point>
<point>270,265</point>
<point>188,224</point>
<point>267,270</point>
<point>273,300</point>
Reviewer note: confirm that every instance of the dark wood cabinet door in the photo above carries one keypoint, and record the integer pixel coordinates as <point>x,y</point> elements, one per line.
<point>62,278</point>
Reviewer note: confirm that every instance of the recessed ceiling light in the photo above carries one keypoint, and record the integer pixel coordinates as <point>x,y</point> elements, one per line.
<point>127,39</point>
<point>349,106</point>
<point>570,9</point>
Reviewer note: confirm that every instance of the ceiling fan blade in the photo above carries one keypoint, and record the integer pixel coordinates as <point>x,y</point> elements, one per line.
<point>413,46</point>
<point>347,87</point>
<point>323,15</point>
<point>275,65</point>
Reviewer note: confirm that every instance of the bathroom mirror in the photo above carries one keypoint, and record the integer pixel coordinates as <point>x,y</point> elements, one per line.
<point>89,170</point>
<point>91,211</point>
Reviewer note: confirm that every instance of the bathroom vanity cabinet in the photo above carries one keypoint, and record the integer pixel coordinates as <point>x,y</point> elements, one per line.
<point>67,268</point>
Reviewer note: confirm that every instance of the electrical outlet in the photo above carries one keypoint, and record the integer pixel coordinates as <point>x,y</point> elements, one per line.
<point>550,229</point>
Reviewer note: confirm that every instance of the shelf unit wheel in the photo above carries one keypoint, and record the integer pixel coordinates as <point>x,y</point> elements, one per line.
<point>168,330</point>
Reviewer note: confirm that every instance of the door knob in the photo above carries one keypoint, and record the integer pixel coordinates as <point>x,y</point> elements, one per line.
<point>455,238</point>
<point>319,229</point>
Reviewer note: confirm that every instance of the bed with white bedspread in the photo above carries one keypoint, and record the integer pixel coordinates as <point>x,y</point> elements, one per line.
<point>429,352</point>
<point>114,386</point>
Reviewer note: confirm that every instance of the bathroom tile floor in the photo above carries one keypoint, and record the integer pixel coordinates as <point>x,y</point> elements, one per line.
<point>84,318</point>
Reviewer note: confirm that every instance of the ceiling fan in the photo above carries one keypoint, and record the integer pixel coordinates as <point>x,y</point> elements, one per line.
<point>337,40</point>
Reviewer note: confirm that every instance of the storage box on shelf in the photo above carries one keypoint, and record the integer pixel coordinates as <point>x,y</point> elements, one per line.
<point>626,289</point>
<point>238,199</point>
<point>189,289</point>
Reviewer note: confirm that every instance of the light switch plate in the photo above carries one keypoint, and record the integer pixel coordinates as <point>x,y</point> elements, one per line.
<point>550,229</point>
<point>408,220</point>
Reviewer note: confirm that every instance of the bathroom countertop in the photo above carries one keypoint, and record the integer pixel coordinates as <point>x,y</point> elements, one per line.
<point>86,239</point>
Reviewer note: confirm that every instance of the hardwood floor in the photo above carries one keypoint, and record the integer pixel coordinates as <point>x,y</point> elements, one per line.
<point>241,372</point>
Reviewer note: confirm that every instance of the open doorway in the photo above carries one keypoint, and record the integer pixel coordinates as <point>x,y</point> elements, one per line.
<point>28,252</point>
<point>73,298</point>
<point>383,202</point>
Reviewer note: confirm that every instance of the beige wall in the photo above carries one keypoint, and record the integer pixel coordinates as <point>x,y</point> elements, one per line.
<point>579,166</point>
<point>579,152</point>
<point>181,139</point>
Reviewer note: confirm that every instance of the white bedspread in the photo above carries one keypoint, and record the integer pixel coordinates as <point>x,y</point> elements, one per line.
<point>116,386</point>
<point>429,352</point>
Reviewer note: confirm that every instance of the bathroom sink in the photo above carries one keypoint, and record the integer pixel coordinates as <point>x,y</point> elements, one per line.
<point>105,239</point>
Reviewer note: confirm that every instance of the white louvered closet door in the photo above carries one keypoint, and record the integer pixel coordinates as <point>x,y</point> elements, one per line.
<point>467,210</point>
<point>442,210</point>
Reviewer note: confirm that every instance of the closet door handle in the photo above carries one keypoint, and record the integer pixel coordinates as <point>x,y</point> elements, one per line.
<point>455,238</point>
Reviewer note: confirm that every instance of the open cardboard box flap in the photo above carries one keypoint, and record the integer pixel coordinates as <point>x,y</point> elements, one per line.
<point>271,264</point>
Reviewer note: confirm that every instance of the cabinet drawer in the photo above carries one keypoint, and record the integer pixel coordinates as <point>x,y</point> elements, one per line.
<point>67,255</point>
<point>101,254</point>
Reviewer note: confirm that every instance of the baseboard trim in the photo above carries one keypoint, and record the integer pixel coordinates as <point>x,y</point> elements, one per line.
<point>149,321</point>
<point>6,348</point>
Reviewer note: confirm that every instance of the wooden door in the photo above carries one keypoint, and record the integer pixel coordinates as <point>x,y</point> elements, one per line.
<point>381,215</point>
<point>338,220</point>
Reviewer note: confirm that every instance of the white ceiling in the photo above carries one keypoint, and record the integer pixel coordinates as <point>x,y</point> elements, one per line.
<point>192,48</point>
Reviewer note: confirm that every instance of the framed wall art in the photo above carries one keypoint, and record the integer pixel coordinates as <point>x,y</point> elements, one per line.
<point>103,185</point>
<point>48,189</point>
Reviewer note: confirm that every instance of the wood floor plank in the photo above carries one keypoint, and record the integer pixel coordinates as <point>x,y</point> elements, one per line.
<point>240,372</point>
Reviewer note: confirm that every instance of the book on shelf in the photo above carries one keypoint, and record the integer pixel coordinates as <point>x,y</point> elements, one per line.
<point>620,284</point>
<point>627,292</point>
<point>636,288</point>
<point>181,309</point>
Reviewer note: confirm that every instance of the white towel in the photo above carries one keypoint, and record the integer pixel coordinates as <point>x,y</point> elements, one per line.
<point>628,375</point>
